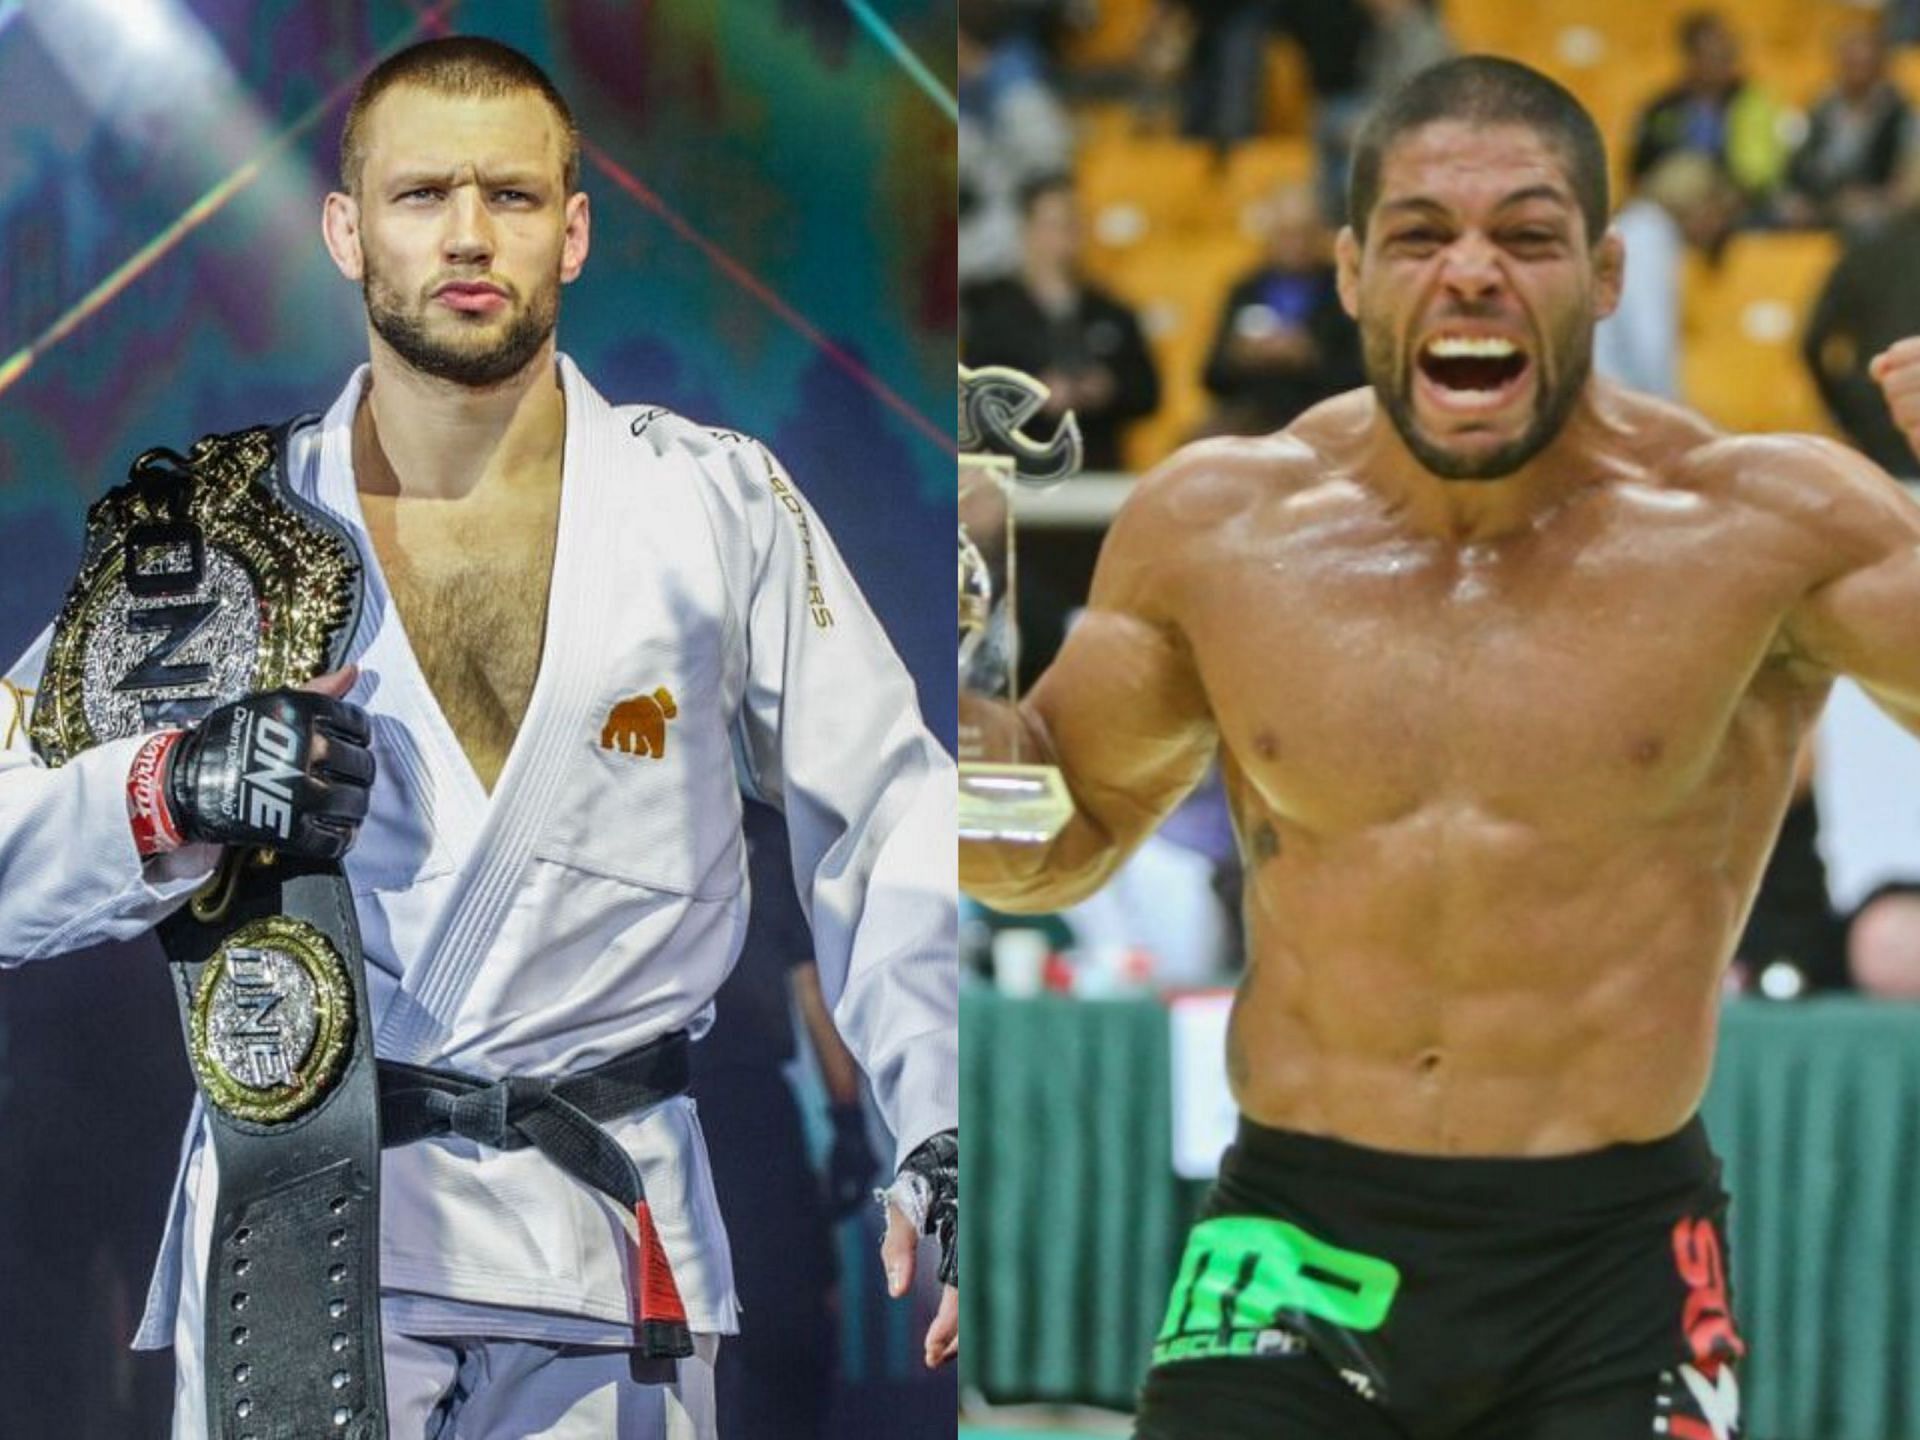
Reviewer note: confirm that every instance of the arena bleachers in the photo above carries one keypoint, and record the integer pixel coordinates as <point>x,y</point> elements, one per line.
<point>1174,222</point>
<point>1741,363</point>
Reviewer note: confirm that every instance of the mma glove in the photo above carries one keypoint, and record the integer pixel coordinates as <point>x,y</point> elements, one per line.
<point>927,1192</point>
<point>851,1162</point>
<point>285,770</point>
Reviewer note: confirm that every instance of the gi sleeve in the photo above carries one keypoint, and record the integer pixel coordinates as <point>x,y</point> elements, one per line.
<point>69,874</point>
<point>830,732</point>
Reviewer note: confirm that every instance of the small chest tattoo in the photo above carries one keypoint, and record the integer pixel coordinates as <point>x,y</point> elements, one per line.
<point>1266,842</point>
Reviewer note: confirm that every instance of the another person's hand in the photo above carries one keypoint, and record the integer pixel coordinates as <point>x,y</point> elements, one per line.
<point>851,1162</point>
<point>284,770</point>
<point>925,1200</point>
<point>1897,371</point>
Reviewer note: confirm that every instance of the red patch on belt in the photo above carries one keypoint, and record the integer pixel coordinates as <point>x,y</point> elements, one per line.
<point>659,1296</point>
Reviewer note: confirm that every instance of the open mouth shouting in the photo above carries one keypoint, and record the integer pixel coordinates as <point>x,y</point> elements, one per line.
<point>1465,374</point>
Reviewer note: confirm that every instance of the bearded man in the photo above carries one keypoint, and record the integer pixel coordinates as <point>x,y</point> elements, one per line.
<point>585,630</point>
<point>1507,668</point>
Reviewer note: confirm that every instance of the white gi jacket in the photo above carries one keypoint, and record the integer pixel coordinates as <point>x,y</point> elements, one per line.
<point>598,898</point>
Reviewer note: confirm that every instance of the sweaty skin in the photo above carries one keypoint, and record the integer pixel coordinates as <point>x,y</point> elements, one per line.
<point>1506,756</point>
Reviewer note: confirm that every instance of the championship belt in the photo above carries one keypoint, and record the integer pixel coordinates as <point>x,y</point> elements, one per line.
<point>206,578</point>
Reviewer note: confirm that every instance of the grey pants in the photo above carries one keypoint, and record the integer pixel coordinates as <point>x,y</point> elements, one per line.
<point>456,1388</point>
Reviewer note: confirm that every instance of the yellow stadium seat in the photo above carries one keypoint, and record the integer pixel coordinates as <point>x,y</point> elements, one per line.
<point>1806,25</point>
<point>1142,190</point>
<point>1178,289</point>
<point>1742,321</point>
<point>1616,96</point>
<point>1906,72</point>
<point>1111,36</point>
<point>1254,171</point>
<point>1582,35</point>
<point>1494,27</point>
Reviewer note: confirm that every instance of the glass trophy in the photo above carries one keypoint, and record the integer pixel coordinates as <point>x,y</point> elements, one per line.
<point>1005,795</point>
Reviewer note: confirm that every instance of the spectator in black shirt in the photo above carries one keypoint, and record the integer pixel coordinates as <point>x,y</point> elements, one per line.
<point>1226,68</point>
<point>1857,141</point>
<point>1871,300</point>
<point>1079,341</point>
<point>1714,110</point>
<point>1283,342</point>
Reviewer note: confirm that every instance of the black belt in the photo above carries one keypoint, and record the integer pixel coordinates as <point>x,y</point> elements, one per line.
<point>292,1290</point>
<point>561,1119</point>
<point>266,964</point>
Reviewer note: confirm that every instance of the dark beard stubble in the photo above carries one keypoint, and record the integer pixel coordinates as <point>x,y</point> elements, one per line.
<point>460,364</point>
<point>1573,350</point>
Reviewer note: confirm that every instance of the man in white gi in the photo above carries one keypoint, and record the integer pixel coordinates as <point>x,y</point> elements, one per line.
<point>586,630</point>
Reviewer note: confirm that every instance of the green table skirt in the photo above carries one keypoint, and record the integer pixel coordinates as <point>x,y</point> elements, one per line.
<point>1074,1220</point>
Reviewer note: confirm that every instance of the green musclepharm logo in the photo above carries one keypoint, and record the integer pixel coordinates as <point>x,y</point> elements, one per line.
<point>1242,1276</point>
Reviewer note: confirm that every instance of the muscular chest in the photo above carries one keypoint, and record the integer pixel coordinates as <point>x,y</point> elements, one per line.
<point>470,585</point>
<point>1360,673</point>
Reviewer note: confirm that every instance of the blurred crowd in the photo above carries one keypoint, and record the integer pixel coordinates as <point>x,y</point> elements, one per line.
<point>1708,156</point>
<point>1258,101</point>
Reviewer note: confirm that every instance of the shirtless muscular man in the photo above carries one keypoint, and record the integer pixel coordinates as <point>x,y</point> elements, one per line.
<point>1507,668</point>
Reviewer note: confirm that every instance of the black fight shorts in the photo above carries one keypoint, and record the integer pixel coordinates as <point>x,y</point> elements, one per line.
<point>1337,1293</point>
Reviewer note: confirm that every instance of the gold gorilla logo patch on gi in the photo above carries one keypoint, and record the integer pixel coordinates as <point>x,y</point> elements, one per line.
<point>638,724</point>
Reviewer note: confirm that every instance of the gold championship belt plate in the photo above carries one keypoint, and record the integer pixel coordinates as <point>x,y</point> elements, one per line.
<point>206,578</point>
<point>190,595</point>
<point>272,1016</point>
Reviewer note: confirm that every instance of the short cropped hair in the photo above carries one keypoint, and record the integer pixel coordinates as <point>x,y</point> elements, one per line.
<point>466,65</point>
<point>1485,90</point>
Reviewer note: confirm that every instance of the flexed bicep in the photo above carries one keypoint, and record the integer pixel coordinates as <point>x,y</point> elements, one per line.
<point>1129,725</point>
<point>1864,622</point>
<point>1121,712</point>
<point>1121,715</point>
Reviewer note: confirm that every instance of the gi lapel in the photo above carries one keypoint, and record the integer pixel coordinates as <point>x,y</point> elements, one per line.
<point>439,801</point>
<point>418,1020</point>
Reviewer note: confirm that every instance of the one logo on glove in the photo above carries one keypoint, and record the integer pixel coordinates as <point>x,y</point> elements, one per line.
<point>272,752</point>
<point>638,724</point>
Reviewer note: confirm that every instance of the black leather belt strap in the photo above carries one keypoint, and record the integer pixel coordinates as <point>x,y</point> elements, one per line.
<point>292,1298</point>
<point>560,1118</point>
<point>217,548</point>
